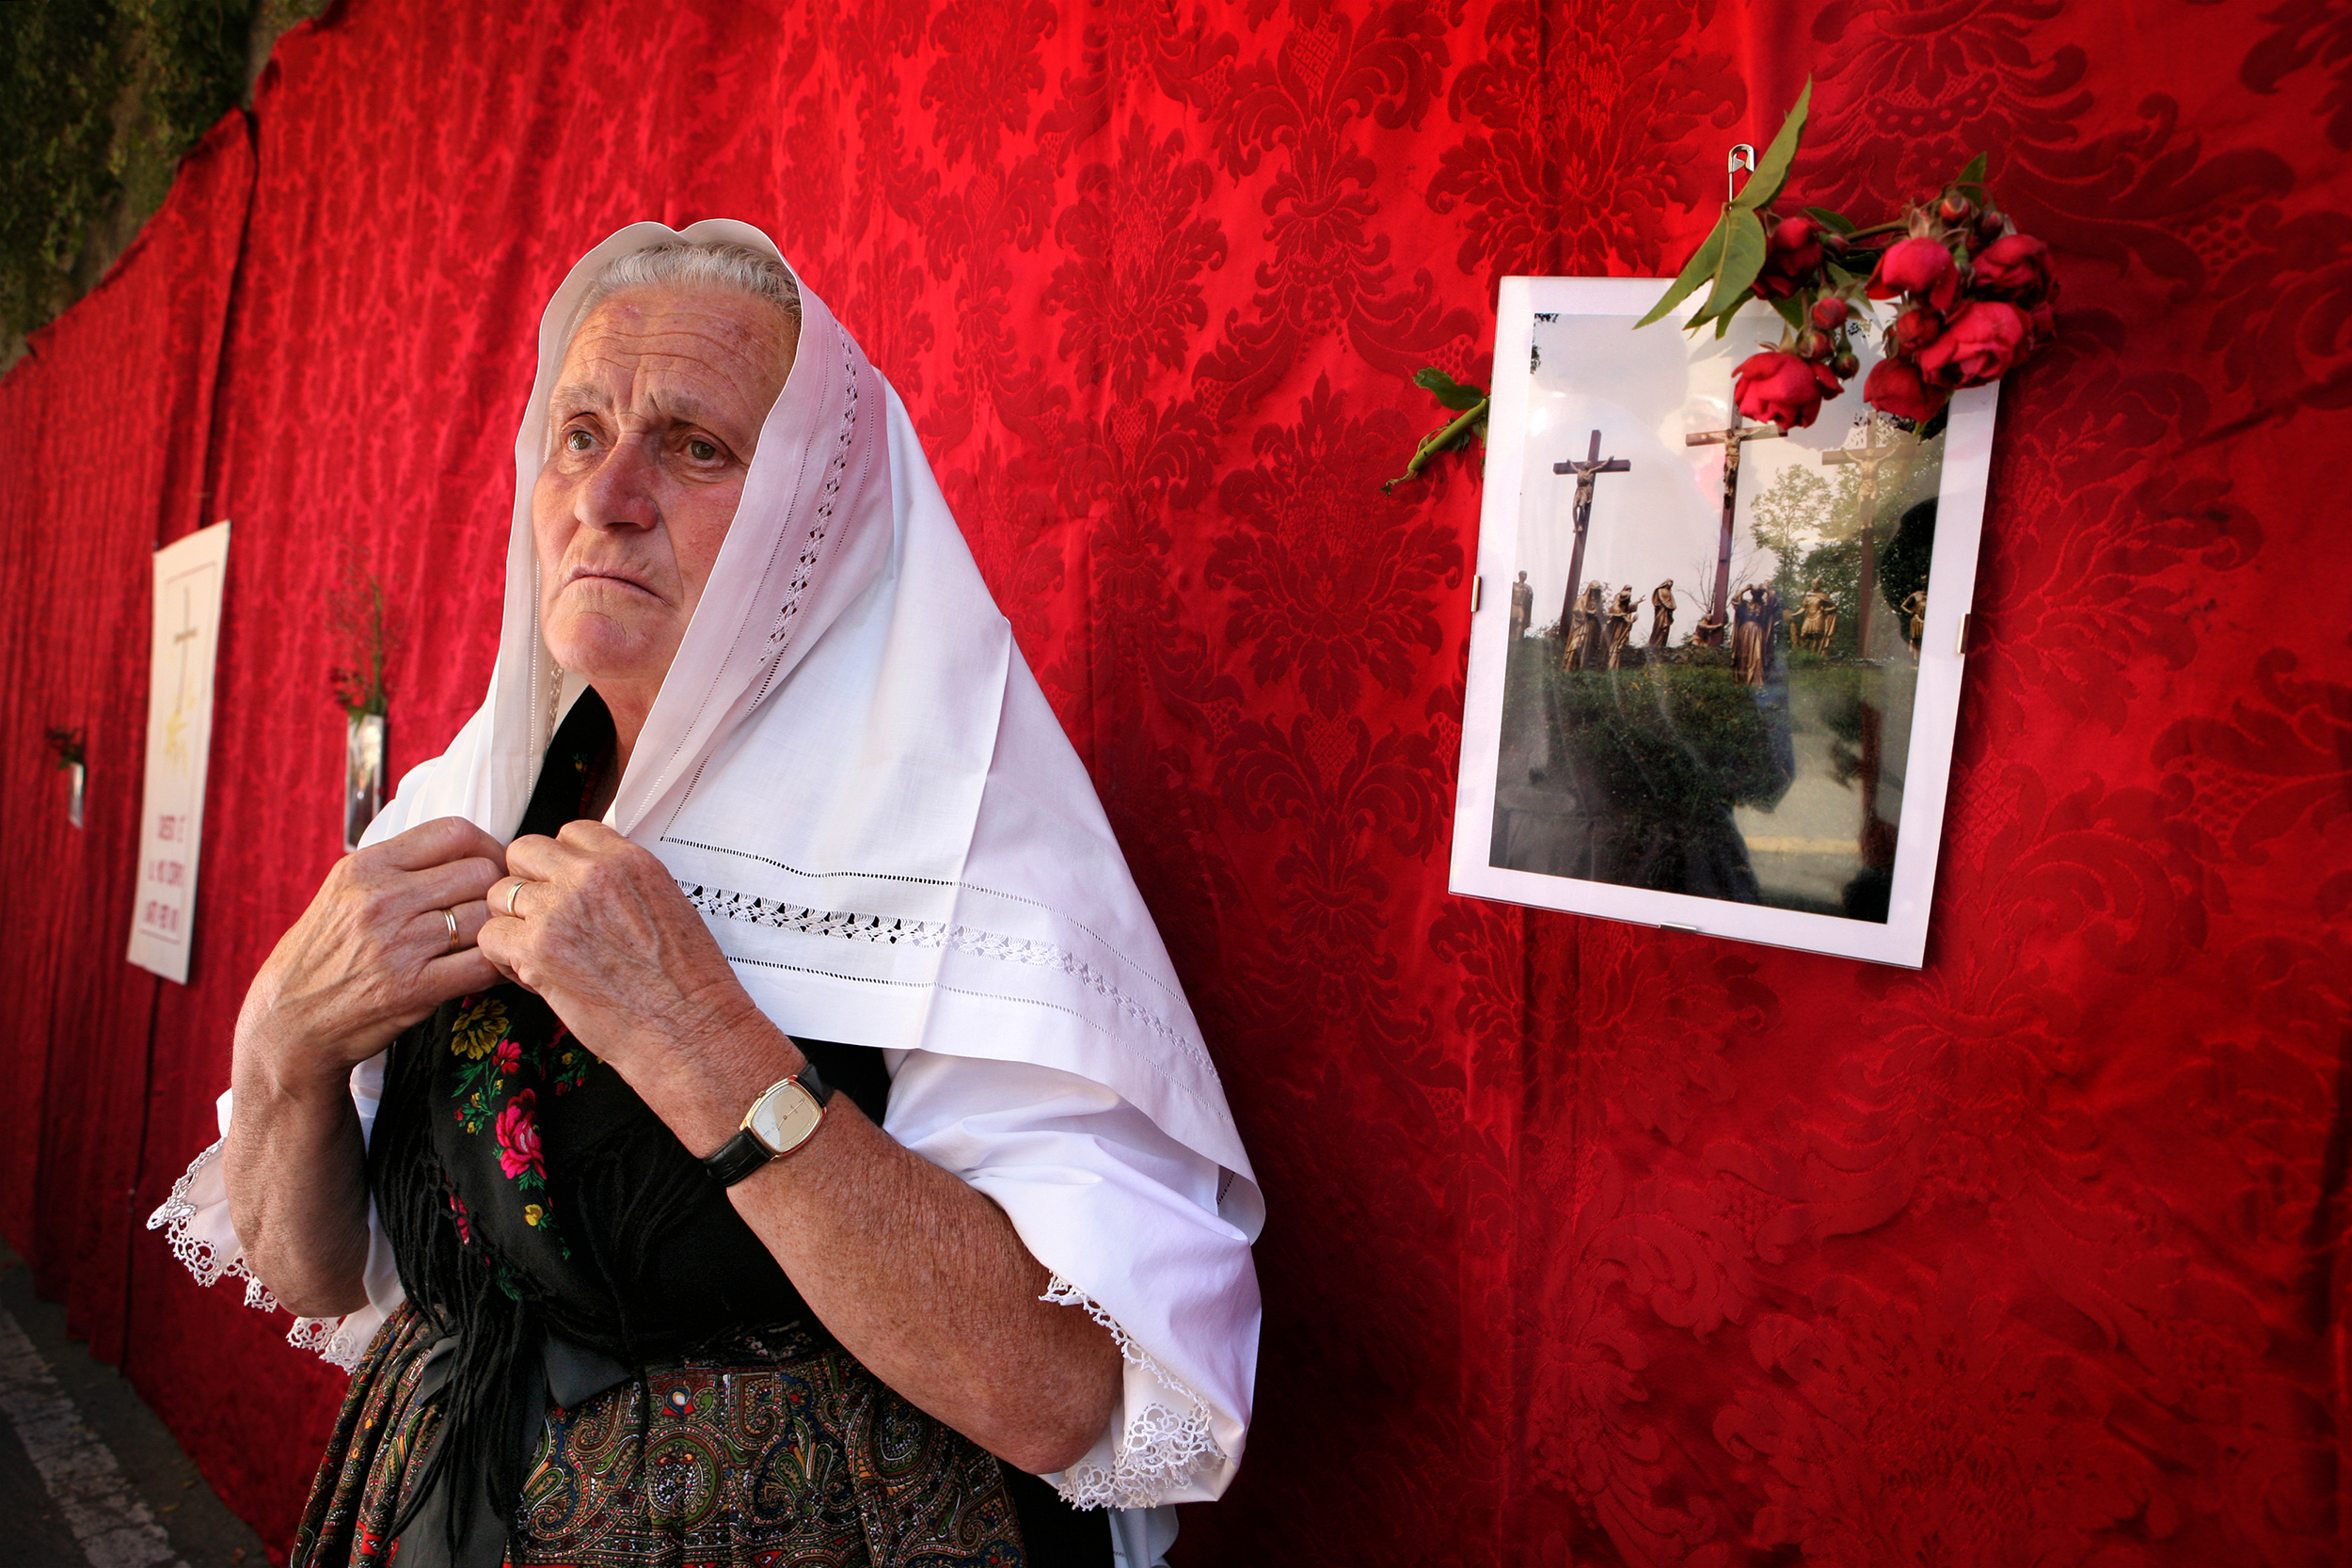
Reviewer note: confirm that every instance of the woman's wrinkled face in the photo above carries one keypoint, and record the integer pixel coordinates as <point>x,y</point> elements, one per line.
<point>652,426</point>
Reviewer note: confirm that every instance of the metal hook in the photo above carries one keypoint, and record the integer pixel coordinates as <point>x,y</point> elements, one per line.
<point>1743,158</point>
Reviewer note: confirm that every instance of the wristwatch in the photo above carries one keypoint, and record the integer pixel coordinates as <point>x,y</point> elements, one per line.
<point>779,1122</point>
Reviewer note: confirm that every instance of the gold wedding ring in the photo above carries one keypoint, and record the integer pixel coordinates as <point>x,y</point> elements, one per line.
<point>511,894</point>
<point>450,917</point>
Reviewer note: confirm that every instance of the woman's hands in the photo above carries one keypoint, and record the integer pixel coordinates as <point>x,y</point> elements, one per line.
<point>600,929</point>
<point>372,956</point>
<point>916,1272</point>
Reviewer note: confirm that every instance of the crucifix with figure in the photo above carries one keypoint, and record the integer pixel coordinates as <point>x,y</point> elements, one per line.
<point>1731,440</point>
<point>1594,463</point>
<point>1869,459</point>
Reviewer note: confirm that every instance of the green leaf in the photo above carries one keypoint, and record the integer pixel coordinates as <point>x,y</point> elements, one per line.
<point>1744,258</point>
<point>1471,422</point>
<point>1836,223</point>
<point>1450,392</point>
<point>1697,270</point>
<point>1772,170</point>
<point>1790,311</point>
<point>1974,173</point>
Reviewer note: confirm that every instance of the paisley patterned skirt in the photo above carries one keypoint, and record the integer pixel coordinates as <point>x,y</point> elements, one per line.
<point>783,1455</point>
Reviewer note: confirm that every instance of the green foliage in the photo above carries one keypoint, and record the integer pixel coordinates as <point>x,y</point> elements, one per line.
<point>1903,560</point>
<point>1795,504</point>
<point>1733,253</point>
<point>98,100</point>
<point>1470,405</point>
<point>60,71</point>
<point>1670,741</point>
<point>1450,392</point>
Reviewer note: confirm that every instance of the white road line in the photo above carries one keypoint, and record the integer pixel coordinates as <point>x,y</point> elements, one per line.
<point>114,1526</point>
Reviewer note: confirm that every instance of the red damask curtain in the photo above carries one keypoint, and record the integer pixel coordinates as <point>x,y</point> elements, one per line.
<point>1589,1243</point>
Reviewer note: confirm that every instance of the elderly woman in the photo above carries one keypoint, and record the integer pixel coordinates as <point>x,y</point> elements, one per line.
<point>735,1107</point>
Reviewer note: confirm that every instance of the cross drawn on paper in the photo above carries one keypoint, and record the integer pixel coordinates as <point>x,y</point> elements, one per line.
<point>1731,440</point>
<point>176,727</point>
<point>1593,463</point>
<point>1870,459</point>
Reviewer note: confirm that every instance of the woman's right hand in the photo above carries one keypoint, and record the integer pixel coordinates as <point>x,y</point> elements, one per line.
<point>372,956</point>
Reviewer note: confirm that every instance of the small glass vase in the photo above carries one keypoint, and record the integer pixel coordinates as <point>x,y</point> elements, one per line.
<point>77,777</point>
<point>363,774</point>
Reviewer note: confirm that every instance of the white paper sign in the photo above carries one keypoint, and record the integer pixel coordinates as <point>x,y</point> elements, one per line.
<point>188,578</point>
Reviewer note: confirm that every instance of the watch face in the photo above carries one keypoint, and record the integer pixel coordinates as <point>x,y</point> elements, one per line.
<point>783,1120</point>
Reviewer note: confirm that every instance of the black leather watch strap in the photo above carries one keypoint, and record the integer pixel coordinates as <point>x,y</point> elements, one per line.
<point>744,1154</point>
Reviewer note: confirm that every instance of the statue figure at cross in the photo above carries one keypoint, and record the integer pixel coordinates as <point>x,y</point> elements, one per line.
<point>1869,459</point>
<point>1712,624</point>
<point>1593,463</point>
<point>1620,620</point>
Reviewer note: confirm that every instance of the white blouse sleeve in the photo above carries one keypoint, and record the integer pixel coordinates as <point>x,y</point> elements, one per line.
<point>196,1220</point>
<point>1127,1222</point>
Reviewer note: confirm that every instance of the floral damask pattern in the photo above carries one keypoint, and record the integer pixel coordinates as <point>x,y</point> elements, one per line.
<point>1589,1245</point>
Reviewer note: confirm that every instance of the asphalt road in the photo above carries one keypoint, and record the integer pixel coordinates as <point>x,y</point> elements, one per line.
<point>88,1477</point>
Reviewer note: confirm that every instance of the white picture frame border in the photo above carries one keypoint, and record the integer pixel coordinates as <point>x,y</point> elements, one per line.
<point>1960,515</point>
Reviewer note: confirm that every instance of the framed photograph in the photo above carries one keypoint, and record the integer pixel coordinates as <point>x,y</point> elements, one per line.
<point>1714,669</point>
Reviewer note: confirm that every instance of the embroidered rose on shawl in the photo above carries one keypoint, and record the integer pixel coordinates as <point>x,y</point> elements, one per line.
<point>518,1138</point>
<point>481,1026</point>
<point>564,1061</point>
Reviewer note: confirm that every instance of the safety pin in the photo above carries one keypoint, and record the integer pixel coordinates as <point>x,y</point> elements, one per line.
<point>1743,157</point>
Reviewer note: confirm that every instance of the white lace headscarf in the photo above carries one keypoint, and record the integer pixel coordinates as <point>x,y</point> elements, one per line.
<point>853,775</point>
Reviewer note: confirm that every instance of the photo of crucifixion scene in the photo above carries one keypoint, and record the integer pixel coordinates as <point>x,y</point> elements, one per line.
<point>1707,670</point>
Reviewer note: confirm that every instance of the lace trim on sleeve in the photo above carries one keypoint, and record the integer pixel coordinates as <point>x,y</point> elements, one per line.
<point>1160,1450</point>
<point>214,1258</point>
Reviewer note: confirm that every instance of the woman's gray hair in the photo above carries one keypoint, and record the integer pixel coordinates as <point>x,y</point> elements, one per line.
<point>685,264</point>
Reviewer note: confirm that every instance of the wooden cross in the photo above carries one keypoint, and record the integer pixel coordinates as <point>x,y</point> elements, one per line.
<point>1593,463</point>
<point>1869,459</point>
<point>185,635</point>
<point>1731,440</point>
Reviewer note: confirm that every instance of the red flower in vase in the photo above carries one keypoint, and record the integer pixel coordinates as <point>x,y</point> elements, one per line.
<point>518,1138</point>
<point>1918,265</point>
<point>1793,254</point>
<point>1778,386</point>
<point>1895,387</point>
<point>1984,338</point>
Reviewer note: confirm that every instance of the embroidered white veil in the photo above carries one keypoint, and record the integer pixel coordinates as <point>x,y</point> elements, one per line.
<point>853,775</point>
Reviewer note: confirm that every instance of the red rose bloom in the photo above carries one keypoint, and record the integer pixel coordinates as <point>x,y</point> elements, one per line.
<point>1792,253</point>
<point>1830,314</point>
<point>518,1137</point>
<point>1983,340</point>
<point>1777,386</point>
<point>1914,329</point>
<point>1917,265</point>
<point>1895,387</point>
<point>2015,268</point>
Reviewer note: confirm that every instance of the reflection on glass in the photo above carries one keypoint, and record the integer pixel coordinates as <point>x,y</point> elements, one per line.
<point>363,774</point>
<point>1723,705</point>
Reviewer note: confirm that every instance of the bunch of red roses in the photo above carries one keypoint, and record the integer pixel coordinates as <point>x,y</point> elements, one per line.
<point>1975,299</point>
<point>1973,296</point>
